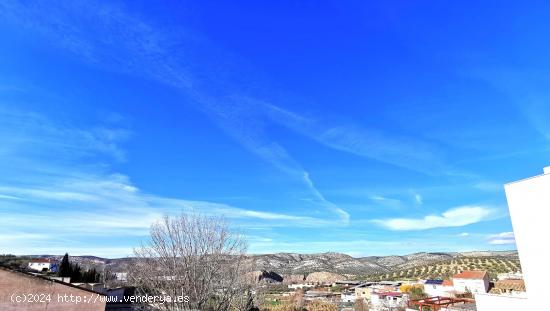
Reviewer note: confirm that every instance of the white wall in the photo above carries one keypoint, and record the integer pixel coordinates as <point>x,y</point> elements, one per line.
<point>38,266</point>
<point>439,290</point>
<point>529,204</point>
<point>489,302</point>
<point>348,297</point>
<point>474,286</point>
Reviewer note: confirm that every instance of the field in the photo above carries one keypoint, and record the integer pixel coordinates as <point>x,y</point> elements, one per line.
<point>445,269</point>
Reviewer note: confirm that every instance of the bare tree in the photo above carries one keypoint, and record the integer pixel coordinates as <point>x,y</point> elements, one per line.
<point>197,261</point>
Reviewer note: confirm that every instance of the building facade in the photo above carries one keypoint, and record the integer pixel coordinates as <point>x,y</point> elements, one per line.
<point>42,264</point>
<point>475,282</point>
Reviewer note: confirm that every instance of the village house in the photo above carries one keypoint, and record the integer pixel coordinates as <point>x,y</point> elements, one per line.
<point>301,285</point>
<point>43,264</point>
<point>362,291</point>
<point>443,288</point>
<point>388,299</point>
<point>474,282</point>
<point>348,296</point>
<point>509,287</point>
<point>510,276</point>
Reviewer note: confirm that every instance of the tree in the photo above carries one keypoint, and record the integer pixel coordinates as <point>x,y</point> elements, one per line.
<point>75,272</point>
<point>65,267</point>
<point>91,276</point>
<point>415,291</point>
<point>196,257</point>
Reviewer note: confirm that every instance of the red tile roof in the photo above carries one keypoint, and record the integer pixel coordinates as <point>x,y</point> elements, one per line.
<point>40,260</point>
<point>475,275</point>
<point>447,283</point>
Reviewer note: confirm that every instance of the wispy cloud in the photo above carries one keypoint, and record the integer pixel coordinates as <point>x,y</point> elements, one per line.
<point>456,217</point>
<point>109,207</point>
<point>35,135</point>
<point>132,44</point>
<point>503,238</point>
<point>385,200</point>
<point>89,200</point>
<point>418,199</point>
<point>408,152</point>
<point>401,151</point>
<point>96,203</point>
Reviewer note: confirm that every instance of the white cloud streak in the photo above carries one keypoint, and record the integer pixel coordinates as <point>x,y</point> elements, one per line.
<point>503,238</point>
<point>60,197</point>
<point>456,217</point>
<point>418,199</point>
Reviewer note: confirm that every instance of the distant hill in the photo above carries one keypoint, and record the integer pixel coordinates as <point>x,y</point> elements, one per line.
<point>292,263</point>
<point>446,268</point>
<point>412,265</point>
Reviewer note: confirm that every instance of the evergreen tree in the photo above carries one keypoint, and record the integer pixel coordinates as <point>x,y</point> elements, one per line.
<point>65,267</point>
<point>76,273</point>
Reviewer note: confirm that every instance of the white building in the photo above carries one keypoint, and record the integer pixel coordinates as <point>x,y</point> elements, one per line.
<point>510,276</point>
<point>348,296</point>
<point>41,264</point>
<point>443,288</point>
<point>382,300</point>
<point>301,285</point>
<point>475,282</point>
<point>528,202</point>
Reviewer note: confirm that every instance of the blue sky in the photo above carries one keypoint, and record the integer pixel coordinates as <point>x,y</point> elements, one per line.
<point>365,128</point>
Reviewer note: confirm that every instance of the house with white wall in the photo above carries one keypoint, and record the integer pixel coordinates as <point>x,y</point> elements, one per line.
<point>443,288</point>
<point>42,264</point>
<point>301,285</point>
<point>348,296</point>
<point>383,300</point>
<point>474,282</point>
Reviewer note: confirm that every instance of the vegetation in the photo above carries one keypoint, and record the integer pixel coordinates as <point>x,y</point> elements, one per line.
<point>298,305</point>
<point>415,291</point>
<point>75,272</point>
<point>196,255</point>
<point>13,262</point>
<point>65,267</point>
<point>446,269</point>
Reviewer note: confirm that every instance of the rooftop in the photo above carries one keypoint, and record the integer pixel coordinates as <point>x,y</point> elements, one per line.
<point>475,275</point>
<point>39,260</point>
<point>434,282</point>
<point>448,283</point>
<point>515,285</point>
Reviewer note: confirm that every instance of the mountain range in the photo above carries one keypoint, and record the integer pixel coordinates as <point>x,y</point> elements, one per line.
<point>303,264</point>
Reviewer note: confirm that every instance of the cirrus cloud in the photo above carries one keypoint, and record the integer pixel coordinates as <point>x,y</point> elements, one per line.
<point>455,217</point>
<point>502,238</point>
